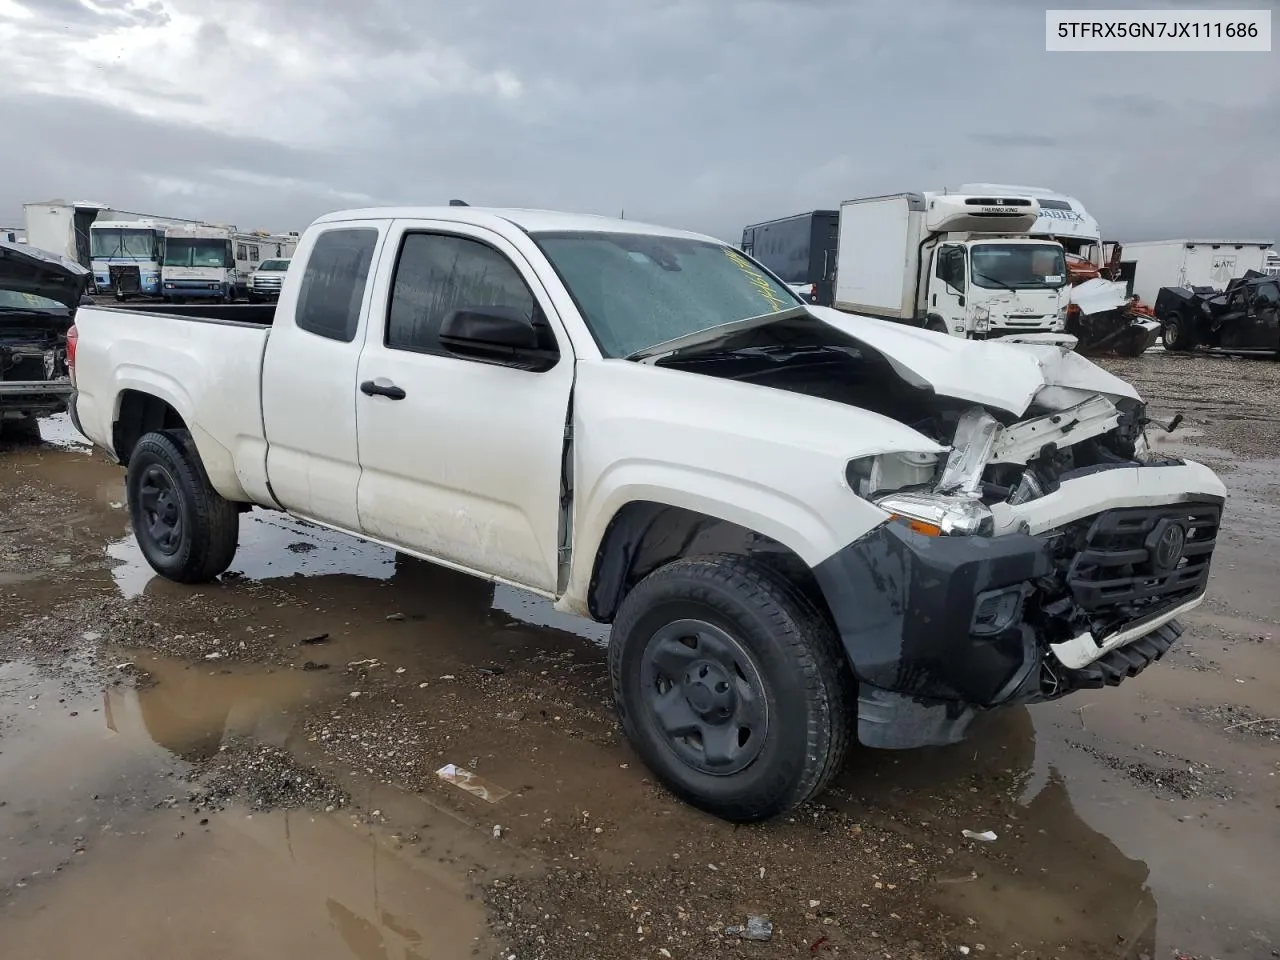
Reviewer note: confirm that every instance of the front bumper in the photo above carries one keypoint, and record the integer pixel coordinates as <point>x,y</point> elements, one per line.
<point>193,289</point>
<point>1072,595</point>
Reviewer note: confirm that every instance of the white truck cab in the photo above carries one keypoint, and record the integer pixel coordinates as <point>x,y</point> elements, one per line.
<point>958,263</point>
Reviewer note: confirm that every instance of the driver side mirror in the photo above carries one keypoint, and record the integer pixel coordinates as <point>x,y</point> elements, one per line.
<point>496,334</point>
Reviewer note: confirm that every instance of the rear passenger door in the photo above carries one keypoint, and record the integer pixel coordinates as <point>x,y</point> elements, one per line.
<point>462,463</point>
<point>309,376</point>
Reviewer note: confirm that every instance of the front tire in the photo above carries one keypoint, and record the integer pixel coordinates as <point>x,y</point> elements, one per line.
<point>187,531</point>
<point>731,686</point>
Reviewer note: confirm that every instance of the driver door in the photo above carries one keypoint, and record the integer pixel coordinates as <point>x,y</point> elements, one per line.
<point>947,290</point>
<point>461,459</point>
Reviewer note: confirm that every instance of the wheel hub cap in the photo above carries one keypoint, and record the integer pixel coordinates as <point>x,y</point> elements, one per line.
<point>705,696</point>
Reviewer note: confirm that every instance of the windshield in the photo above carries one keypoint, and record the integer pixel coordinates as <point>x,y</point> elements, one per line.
<point>276,265</point>
<point>13,300</point>
<point>1018,266</point>
<point>122,244</point>
<point>636,291</point>
<point>195,252</point>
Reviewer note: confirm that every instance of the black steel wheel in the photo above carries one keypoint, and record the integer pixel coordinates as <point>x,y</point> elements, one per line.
<point>731,686</point>
<point>160,508</point>
<point>704,690</point>
<point>185,529</point>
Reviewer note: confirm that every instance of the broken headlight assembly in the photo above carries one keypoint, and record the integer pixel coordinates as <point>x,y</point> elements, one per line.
<point>901,484</point>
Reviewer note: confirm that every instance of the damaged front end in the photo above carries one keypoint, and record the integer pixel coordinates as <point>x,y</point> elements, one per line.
<point>1045,549</point>
<point>1041,556</point>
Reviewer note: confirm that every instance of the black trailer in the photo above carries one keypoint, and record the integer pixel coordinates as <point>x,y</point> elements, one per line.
<point>1243,318</point>
<point>801,250</point>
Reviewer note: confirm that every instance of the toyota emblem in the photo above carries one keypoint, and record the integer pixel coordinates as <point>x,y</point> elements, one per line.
<point>1168,549</point>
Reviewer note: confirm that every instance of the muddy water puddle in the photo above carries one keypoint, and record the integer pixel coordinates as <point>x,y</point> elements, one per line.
<point>98,824</point>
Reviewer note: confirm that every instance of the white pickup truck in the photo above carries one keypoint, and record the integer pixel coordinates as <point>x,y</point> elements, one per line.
<point>804,526</point>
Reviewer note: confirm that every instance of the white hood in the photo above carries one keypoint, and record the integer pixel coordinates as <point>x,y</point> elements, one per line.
<point>1098,295</point>
<point>1008,376</point>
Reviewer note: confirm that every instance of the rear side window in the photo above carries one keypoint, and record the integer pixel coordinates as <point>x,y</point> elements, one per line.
<point>437,274</point>
<point>334,281</point>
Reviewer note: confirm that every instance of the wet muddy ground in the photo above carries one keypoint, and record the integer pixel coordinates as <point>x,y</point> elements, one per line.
<point>248,769</point>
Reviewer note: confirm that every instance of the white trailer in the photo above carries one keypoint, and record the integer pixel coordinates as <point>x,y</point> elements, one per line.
<point>62,226</point>
<point>957,263</point>
<point>1192,263</point>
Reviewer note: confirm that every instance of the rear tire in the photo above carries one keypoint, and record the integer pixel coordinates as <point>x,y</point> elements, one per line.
<point>1178,333</point>
<point>731,686</point>
<point>187,531</point>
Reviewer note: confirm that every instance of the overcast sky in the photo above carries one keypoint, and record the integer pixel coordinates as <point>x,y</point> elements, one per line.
<point>704,114</point>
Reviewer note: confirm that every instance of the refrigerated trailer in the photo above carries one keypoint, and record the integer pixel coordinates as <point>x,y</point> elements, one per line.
<point>1191,263</point>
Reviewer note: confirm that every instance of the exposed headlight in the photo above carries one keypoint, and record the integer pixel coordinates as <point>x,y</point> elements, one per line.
<point>937,515</point>
<point>868,476</point>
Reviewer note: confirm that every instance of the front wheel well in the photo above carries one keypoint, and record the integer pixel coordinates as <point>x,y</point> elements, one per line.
<point>140,414</point>
<point>645,535</point>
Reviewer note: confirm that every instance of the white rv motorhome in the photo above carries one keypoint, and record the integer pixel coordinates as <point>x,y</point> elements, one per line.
<point>199,263</point>
<point>254,247</point>
<point>958,263</point>
<point>125,256</point>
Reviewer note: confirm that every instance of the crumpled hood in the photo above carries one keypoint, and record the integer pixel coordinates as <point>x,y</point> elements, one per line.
<point>26,269</point>
<point>1007,376</point>
<point>1098,296</point>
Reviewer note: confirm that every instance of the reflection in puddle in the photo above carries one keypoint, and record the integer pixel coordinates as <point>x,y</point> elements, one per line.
<point>275,546</point>
<point>89,834</point>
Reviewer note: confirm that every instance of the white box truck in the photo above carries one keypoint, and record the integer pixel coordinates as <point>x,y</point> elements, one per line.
<point>952,262</point>
<point>1192,263</point>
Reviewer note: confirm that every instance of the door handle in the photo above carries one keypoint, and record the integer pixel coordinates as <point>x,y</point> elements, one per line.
<point>374,389</point>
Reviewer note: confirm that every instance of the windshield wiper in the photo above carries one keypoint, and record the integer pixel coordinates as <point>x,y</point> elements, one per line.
<point>1008,286</point>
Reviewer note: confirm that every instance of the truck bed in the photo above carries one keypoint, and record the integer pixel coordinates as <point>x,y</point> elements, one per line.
<point>204,361</point>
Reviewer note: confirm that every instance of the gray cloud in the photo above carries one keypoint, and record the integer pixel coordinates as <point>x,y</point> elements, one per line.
<point>695,113</point>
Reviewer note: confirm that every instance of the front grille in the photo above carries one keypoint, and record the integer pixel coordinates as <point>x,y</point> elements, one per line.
<point>126,279</point>
<point>266,283</point>
<point>1130,567</point>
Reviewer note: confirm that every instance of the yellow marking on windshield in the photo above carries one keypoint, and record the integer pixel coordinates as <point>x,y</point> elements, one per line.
<point>758,280</point>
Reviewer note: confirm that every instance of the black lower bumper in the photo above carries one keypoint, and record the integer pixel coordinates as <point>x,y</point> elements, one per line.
<point>938,628</point>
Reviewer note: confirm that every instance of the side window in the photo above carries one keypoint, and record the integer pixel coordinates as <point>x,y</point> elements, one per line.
<point>334,281</point>
<point>240,253</point>
<point>437,274</point>
<point>253,254</point>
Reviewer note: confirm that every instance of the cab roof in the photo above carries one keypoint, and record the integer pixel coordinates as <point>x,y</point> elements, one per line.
<point>531,221</point>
